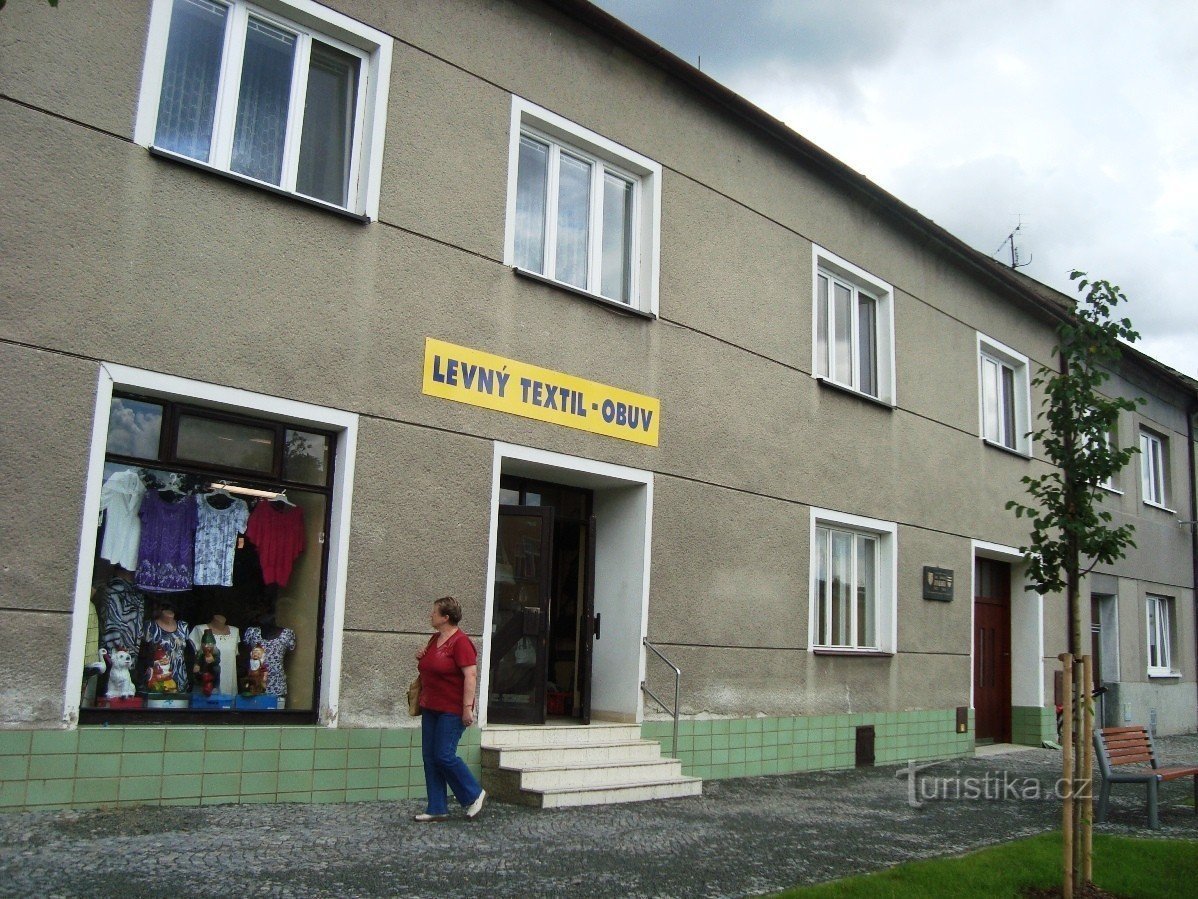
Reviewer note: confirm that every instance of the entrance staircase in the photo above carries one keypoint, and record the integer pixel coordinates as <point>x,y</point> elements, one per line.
<point>574,764</point>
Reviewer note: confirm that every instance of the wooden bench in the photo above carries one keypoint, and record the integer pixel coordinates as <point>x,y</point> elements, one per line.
<point>1117,747</point>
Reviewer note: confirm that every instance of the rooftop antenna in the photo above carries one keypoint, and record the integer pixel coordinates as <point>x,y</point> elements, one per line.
<point>1016,261</point>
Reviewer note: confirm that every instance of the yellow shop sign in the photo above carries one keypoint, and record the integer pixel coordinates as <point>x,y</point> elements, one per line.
<point>505,385</point>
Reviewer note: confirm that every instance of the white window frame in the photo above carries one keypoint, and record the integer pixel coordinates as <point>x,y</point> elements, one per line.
<point>645,174</point>
<point>1162,664</point>
<point>1154,469</point>
<point>993,351</point>
<point>1109,439</point>
<point>114,377</point>
<point>307,19</point>
<point>827,264</point>
<point>1108,619</point>
<point>885,572</point>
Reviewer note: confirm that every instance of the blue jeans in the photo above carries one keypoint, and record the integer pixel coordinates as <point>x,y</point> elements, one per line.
<point>440,733</point>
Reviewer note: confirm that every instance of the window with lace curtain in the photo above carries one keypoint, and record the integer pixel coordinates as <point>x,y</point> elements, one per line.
<point>1160,636</point>
<point>1153,468</point>
<point>582,210</point>
<point>853,598</point>
<point>286,94</point>
<point>853,327</point>
<point>1005,399</point>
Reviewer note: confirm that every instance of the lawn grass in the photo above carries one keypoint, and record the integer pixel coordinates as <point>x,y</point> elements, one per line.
<point>1127,866</point>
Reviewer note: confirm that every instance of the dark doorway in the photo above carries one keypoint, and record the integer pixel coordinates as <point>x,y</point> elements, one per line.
<point>992,651</point>
<point>543,620</point>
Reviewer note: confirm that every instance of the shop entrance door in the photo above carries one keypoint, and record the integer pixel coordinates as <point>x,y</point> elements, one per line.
<point>519,656</point>
<point>543,622</point>
<point>992,651</point>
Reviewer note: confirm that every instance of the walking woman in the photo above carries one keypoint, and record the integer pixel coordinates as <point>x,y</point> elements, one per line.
<point>448,680</point>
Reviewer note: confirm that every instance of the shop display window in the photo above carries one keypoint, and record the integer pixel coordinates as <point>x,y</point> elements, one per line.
<point>208,580</point>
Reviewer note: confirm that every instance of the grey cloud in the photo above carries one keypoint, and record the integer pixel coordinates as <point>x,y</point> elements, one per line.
<point>1082,115</point>
<point>821,39</point>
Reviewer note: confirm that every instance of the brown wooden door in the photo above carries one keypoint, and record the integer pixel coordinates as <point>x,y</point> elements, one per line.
<point>992,651</point>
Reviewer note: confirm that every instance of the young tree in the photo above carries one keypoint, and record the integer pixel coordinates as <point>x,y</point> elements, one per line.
<point>1071,531</point>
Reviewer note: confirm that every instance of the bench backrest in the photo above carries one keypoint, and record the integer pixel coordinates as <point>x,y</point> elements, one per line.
<point>1125,746</point>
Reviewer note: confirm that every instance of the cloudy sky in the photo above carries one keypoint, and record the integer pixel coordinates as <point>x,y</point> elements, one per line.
<point>1078,118</point>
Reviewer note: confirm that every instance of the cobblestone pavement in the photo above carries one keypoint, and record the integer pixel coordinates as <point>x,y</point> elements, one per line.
<point>741,837</point>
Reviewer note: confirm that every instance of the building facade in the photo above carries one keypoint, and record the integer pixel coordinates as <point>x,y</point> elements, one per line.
<point>313,314</point>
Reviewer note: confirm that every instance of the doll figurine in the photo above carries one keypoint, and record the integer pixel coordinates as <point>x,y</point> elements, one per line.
<point>255,677</point>
<point>207,666</point>
<point>159,678</point>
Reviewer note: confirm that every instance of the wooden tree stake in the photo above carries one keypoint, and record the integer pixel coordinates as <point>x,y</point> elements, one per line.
<point>1087,772</point>
<point>1067,771</point>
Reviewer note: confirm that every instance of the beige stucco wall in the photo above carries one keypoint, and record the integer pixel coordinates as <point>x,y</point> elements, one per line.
<point>111,254</point>
<point>45,429</point>
<point>752,681</point>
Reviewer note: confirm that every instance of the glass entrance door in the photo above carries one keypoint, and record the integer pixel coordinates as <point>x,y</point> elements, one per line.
<point>519,622</point>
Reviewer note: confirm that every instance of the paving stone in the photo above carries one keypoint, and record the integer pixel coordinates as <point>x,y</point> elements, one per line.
<point>741,837</point>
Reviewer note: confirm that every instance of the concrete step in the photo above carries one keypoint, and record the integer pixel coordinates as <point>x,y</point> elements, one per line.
<point>569,756</point>
<point>598,774</point>
<point>570,765</point>
<point>503,735</point>
<point>673,788</point>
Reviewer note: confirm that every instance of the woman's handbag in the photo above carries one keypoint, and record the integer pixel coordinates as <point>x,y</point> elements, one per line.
<point>414,697</point>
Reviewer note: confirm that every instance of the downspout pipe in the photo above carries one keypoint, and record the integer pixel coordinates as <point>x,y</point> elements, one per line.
<point>1193,412</point>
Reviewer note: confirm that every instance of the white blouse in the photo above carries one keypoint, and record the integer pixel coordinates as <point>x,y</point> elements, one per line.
<point>120,501</point>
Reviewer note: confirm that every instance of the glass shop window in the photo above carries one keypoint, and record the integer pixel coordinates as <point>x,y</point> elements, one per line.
<point>209,574</point>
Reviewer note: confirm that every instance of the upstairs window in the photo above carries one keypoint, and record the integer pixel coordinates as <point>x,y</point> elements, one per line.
<point>853,327</point>
<point>1003,376</point>
<point>1154,457</point>
<point>582,210</point>
<point>1108,441</point>
<point>287,94</point>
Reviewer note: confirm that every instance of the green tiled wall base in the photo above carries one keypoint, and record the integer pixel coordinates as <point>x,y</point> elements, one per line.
<point>747,747</point>
<point>108,766</point>
<point>1032,725</point>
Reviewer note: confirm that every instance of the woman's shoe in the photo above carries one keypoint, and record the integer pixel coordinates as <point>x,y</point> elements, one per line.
<point>476,806</point>
<point>426,818</point>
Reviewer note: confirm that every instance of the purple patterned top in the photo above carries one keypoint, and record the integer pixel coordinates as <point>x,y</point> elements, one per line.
<point>167,553</point>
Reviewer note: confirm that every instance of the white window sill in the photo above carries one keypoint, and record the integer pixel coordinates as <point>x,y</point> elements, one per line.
<point>848,651</point>
<point>1149,502</point>
<point>853,391</point>
<point>1164,675</point>
<point>614,305</point>
<point>261,185</point>
<point>1006,449</point>
<point>1114,490</point>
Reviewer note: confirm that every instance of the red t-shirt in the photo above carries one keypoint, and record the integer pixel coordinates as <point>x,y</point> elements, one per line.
<point>279,537</point>
<point>441,677</point>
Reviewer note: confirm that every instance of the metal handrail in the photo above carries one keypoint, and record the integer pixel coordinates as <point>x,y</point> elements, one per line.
<point>677,685</point>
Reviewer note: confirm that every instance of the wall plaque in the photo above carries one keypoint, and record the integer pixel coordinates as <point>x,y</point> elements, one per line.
<point>938,583</point>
